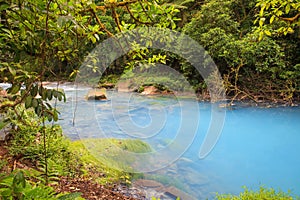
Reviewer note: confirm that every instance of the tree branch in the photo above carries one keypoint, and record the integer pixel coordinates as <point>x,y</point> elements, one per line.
<point>116,4</point>
<point>100,23</point>
<point>134,18</point>
<point>116,17</point>
<point>290,19</point>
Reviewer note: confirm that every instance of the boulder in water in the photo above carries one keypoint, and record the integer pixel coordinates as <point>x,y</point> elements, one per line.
<point>108,85</point>
<point>151,90</point>
<point>97,94</point>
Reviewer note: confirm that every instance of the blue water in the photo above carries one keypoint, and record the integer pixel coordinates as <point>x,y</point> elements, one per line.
<point>257,147</point>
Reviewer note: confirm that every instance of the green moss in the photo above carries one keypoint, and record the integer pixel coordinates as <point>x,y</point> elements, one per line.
<point>107,156</point>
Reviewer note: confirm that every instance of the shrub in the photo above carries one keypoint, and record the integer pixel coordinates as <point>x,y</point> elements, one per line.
<point>43,145</point>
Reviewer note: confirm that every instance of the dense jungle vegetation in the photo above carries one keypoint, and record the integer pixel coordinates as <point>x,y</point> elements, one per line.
<point>254,43</point>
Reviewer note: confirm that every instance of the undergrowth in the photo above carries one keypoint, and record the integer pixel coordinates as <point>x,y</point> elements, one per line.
<point>262,193</point>
<point>46,156</point>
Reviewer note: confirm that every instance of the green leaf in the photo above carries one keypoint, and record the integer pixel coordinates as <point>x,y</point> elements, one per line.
<point>173,25</point>
<point>40,90</point>
<point>3,124</point>
<point>268,33</point>
<point>55,116</point>
<point>59,96</point>
<point>19,179</point>
<point>287,8</point>
<point>261,35</point>
<point>34,90</point>
<point>15,88</point>
<point>93,39</point>
<point>55,6</point>
<point>38,110</point>
<point>6,192</point>
<point>28,101</point>
<point>261,13</point>
<point>261,21</point>
<point>34,103</point>
<point>49,117</point>
<point>12,71</point>
<point>4,6</point>
<point>279,13</point>
<point>49,94</point>
<point>55,93</point>
<point>44,94</point>
<point>272,19</point>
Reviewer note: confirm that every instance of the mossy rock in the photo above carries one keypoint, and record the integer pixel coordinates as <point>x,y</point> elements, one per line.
<point>105,156</point>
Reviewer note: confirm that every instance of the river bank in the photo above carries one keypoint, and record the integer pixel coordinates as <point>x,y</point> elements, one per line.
<point>246,123</point>
<point>229,101</point>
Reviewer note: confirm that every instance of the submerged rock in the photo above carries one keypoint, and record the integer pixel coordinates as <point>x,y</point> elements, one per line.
<point>97,94</point>
<point>173,193</point>
<point>153,188</point>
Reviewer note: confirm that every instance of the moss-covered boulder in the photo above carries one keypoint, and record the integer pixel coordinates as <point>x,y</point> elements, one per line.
<point>105,156</point>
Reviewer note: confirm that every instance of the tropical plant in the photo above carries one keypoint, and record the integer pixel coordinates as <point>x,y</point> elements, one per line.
<point>43,145</point>
<point>15,186</point>
<point>43,40</point>
<point>278,17</point>
<point>226,31</point>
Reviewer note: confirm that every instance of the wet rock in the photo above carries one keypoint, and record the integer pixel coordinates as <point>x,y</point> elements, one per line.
<point>151,90</point>
<point>97,94</point>
<point>108,85</point>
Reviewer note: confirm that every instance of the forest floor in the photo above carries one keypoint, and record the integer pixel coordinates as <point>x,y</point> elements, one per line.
<point>88,188</point>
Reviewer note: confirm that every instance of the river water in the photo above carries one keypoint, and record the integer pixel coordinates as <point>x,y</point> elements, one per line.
<point>257,146</point>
